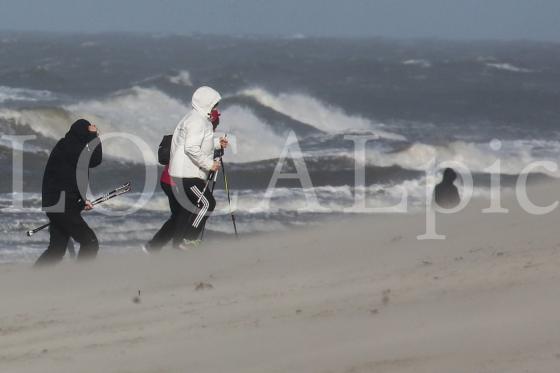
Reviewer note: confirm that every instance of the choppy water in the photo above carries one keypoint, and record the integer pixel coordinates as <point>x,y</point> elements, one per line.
<point>420,100</point>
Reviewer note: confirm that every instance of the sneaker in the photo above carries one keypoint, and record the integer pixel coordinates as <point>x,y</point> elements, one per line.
<point>188,244</point>
<point>145,249</point>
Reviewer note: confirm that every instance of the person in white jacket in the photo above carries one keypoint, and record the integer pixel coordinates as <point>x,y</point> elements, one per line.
<point>191,161</point>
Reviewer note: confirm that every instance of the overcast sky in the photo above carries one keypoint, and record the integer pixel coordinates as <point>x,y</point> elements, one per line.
<point>449,19</point>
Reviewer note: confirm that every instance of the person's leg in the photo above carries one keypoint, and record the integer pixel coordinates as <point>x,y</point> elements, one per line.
<point>206,206</point>
<point>80,231</point>
<point>166,232</point>
<point>58,241</point>
<point>187,202</point>
<point>174,205</point>
<point>70,248</point>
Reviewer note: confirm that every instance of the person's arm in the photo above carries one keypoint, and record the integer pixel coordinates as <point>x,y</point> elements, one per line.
<point>164,150</point>
<point>193,142</point>
<point>97,155</point>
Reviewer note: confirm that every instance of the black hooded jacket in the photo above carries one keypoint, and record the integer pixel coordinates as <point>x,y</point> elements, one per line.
<point>62,167</point>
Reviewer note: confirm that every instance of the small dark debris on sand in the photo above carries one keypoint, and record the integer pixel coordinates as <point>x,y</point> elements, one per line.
<point>203,286</point>
<point>427,263</point>
<point>136,299</point>
<point>298,311</point>
<point>374,311</point>
<point>396,238</point>
<point>386,296</point>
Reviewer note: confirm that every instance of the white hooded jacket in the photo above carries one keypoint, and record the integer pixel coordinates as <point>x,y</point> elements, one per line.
<point>192,147</point>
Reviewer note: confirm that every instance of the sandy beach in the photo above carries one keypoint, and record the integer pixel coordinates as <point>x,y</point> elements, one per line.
<point>362,295</point>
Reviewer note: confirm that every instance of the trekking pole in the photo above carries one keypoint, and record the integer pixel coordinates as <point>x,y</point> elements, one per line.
<point>226,185</point>
<point>211,175</point>
<point>214,178</point>
<point>33,231</point>
<point>125,188</point>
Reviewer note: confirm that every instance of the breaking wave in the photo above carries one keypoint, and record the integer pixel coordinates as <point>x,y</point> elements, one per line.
<point>150,114</point>
<point>309,110</point>
<point>514,156</point>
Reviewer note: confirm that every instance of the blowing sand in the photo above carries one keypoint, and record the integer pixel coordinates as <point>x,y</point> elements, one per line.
<point>362,295</point>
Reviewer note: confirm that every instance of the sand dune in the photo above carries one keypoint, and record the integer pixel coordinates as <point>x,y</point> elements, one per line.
<point>363,295</point>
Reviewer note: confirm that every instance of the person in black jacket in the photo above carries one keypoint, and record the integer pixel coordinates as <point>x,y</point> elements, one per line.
<point>65,183</point>
<point>446,194</point>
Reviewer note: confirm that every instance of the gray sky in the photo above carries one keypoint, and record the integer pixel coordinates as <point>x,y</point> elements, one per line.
<point>450,19</point>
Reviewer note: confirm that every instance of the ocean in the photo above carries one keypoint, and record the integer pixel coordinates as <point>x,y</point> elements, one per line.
<point>418,101</point>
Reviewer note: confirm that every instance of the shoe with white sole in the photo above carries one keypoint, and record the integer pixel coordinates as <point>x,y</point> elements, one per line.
<point>189,244</point>
<point>145,249</point>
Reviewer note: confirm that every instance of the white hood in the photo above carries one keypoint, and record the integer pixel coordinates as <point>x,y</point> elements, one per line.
<point>204,99</point>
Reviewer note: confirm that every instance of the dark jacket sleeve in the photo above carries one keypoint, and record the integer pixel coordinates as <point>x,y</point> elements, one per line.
<point>97,156</point>
<point>164,150</point>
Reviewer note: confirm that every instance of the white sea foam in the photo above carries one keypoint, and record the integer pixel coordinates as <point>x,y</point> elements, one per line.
<point>255,139</point>
<point>183,78</point>
<point>508,67</point>
<point>49,122</point>
<point>10,94</point>
<point>421,63</point>
<point>514,155</point>
<point>332,199</point>
<point>309,110</point>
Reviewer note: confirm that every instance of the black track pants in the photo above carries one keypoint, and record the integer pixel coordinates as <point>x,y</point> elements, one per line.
<point>167,231</point>
<point>192,214</point>
<point>63,226</point>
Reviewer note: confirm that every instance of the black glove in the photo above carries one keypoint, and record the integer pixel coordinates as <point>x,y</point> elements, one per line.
<point>218,153</point>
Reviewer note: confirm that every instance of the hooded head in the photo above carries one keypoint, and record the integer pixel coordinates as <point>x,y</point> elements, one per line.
<point>79,130</point>
<point>449,176</point>
<point>204,99</point>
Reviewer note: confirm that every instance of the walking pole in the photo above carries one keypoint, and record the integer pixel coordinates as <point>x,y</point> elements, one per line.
<point>214,178</point>
<point>211,175</point>
<point>125,188</point>
<point>226,185</point>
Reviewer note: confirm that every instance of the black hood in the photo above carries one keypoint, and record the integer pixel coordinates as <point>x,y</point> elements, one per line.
<point>79,131</point>
<point>449,175</point>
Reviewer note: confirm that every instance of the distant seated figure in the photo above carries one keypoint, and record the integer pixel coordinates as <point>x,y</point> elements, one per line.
<point>446,194</point>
